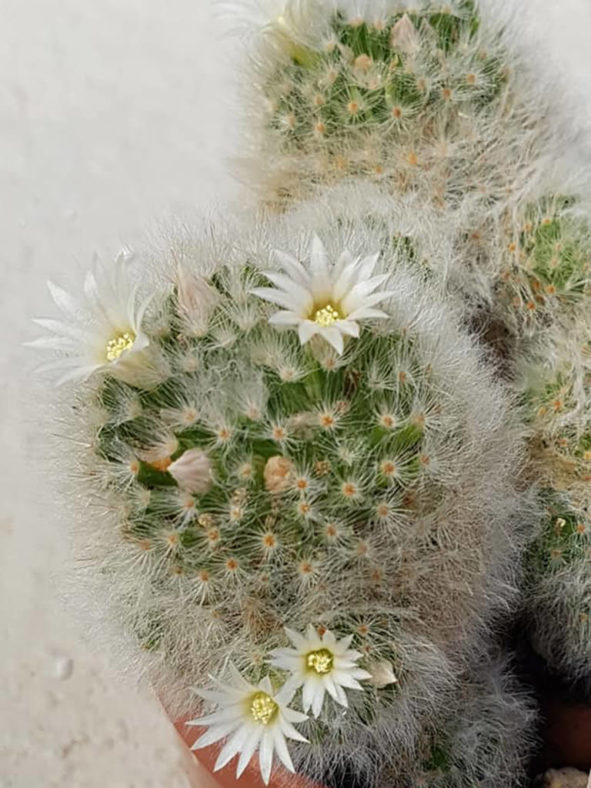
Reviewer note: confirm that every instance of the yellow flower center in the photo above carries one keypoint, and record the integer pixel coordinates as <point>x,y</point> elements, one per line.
<point>263,708</point>
<point>119,344</point>
<point>321,661</point>
<point>327,315</point>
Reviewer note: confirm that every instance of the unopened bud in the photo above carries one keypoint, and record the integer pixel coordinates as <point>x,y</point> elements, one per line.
<point>197,300</point>
<point>382,674</point>
<point>192,471</point>
<point>277,474</point>
<point>404,36</point>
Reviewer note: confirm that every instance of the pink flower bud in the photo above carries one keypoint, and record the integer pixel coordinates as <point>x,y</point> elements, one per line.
<point>404,36</point>
<point>192,471</point>
<point>382,674</point>
<point>197,300</point>
<point>277,474</point>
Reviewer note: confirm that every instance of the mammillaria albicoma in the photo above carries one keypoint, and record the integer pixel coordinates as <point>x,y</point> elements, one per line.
<point>325,503</point>
<point>310,498</point>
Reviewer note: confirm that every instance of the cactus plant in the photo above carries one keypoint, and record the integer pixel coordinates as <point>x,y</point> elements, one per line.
<point>311,499</point>
<point>346,464</point>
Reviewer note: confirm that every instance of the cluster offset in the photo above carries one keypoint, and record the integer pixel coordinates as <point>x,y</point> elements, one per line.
<point>421,98</point>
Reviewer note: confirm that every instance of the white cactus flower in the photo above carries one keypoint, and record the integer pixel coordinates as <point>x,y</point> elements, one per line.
<point>295,18</point>
<point>250,718</point>
<point>320,665</point>
<point>327,300</point>
<point>192,471</point>
<point>102,331</point>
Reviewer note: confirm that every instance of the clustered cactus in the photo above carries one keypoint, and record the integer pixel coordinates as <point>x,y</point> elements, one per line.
<point>341,444</point>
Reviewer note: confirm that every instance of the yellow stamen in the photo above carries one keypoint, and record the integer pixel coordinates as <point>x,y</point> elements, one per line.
<point>321,661</point>
<point>119,344</point>
<point>326,316</point>
<point>263,708</point>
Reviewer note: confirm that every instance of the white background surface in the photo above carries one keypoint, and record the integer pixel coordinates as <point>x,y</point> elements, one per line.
<point>113,113</point>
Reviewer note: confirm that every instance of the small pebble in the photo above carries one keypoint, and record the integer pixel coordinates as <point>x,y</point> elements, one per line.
<point>63,667</point>
<point>565,778</point>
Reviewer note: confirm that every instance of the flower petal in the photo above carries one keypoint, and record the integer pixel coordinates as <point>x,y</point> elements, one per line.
<point>321,279</point>
<point>285,318</point>
<point>329,640</point>
<point>281,749</point>
<point>348,327</point>
<point>367,266</point>
<point>363,294</point>
<point>302,300</point>
<point>289,731</point>
<point>232,747</point>
<point>290,715</point>
<point>220,717</point>
<point>266,755</point>
<point>274,296</point>
<point>345,281</point>
<point>216,734</point>
<point>345,679</point>
<point>213,696</point>
<point>139,315</point>
<point>331,687</point>
<point>79,373</point>
<point>318,701</point>
<point>345,260</point>
<point>249,748</point>
<point>64,300</point>
<point>308,694</point>
<point>293,267</point>
<point>287,691</point>
<point>285,658</point>
<point>65,329</point>
<point>341,696</point>
<point>318,258</point>
<point>238,680</point>
<point>343,645</point>
<point>334,337</point>
<point>313,639</point>
<point>307,329</point>
<point>52,343</point>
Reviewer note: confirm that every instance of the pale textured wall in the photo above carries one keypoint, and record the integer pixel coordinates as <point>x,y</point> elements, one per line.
<point>112,113</point>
